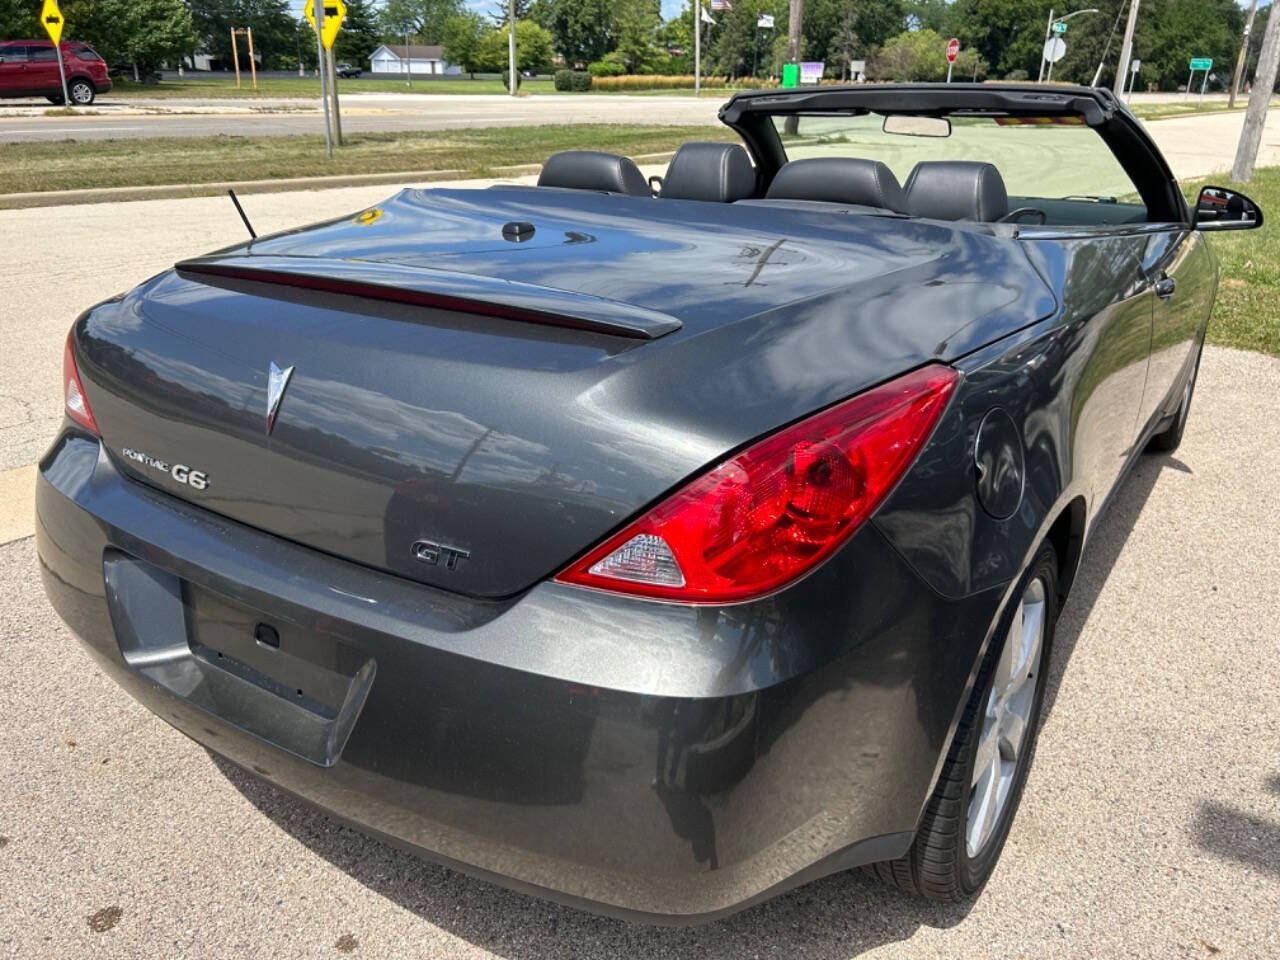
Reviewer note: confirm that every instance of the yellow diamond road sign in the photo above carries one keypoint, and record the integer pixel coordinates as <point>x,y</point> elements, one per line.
<point>51,17</point>
<point>334,11</point>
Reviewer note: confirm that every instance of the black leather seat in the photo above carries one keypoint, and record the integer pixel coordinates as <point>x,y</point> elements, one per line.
<point>956,190</point>
<point>850,181</point>
<point>594,170</point>
<point>718,172</point>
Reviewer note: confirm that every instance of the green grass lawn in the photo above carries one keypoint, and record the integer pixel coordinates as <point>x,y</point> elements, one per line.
<point>1247,312</point>
<point>1190,108</point>
<point>223,86</point>
<point>53,165</point>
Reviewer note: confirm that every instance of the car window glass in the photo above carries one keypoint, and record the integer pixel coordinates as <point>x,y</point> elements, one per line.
<point>1059,159</point>
<point>13,54</point>
<point>40,53</point>
<point>85,53</point>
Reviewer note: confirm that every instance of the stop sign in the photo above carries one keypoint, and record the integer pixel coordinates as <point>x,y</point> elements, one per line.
<point>953,50</point>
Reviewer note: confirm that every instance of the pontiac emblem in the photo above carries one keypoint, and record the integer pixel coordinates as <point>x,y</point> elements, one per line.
<point>277,380</point>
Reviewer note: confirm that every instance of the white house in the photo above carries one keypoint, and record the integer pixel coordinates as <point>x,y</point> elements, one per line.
<point>390,58</point>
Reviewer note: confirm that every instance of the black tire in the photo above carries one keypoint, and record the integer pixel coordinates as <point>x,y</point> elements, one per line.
<point>1169,439</point>
<point>938,865</point>
<point>81,92</point>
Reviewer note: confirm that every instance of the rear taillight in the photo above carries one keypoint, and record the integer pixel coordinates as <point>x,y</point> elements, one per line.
<point>773,512</point>
<point>73,391</point>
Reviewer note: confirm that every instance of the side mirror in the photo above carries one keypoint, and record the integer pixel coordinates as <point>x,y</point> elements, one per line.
<point>1219,208</point>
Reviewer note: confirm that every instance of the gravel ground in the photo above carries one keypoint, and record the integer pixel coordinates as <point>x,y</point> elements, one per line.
<point>1150,827</point>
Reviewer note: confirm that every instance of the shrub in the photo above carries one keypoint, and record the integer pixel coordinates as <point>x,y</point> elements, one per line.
<point>564,80</point>
<point>580,81</point>
<point>506,79</point>
<point>606,68</point>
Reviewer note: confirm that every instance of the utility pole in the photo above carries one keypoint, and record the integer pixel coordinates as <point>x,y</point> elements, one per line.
<point>1126,51</point>
<point>511,46</point>
<point>1048,32</point>
<point>697,47</point>
<point>320,69</point>
<point>1264,82</point>
<point>795,35</point>
<point>333,95</point>
<point>1244,49</point>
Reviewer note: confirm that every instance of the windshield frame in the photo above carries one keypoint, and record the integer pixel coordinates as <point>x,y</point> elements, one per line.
<point>751,113</point>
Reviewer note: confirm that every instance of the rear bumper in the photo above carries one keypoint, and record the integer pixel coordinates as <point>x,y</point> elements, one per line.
<point>640,759</point>
<point>102,85</point>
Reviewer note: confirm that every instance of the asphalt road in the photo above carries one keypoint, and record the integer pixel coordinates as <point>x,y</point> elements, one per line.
<point>1150,826</point>
<point>119,119</point>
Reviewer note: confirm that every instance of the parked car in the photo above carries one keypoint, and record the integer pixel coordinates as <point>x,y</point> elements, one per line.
<point>654,553</point>
<point>347,71</point>
<point>29,68</point>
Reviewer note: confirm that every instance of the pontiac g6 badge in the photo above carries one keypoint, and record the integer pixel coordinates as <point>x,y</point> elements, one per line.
<point>277,380</point>
<point>196,479</point>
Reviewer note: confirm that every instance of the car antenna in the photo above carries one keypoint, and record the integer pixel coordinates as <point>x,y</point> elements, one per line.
<point>240,210</point>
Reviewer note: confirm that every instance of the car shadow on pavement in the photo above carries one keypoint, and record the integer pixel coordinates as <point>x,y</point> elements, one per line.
<point>840,916</point>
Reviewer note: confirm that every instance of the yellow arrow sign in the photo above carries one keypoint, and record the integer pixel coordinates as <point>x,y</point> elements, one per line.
<point>334,11</point>
<point>51,17</point>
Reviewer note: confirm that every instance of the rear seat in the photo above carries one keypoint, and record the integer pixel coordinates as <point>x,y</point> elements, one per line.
<point>848,183</point>
<point>956,190</point>
<point>716,172</point>
<point>594,170</point>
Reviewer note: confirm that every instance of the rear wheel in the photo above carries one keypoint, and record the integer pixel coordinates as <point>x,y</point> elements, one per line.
<point>967,819</point>
<point>81,92</point>
<point>1170,438</point>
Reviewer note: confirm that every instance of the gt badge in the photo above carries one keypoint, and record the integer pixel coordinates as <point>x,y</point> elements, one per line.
<point>277,380</point>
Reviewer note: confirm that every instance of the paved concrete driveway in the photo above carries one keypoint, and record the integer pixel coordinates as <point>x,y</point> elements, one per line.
<point>1150,826</point>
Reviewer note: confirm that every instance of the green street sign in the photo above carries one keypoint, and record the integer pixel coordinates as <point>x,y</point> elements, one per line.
<point>1201,63</point>
<point>1059,28</point>
<point>791,74</point>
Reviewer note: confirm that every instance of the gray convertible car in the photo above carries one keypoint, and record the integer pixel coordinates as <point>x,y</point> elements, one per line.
<point>654,546</point>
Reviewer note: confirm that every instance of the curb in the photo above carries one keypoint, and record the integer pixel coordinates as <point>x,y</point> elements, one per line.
<point>61,198</point>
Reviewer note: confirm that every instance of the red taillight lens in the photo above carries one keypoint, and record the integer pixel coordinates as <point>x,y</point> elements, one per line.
<point>779,508</point>
<point>73,392</point>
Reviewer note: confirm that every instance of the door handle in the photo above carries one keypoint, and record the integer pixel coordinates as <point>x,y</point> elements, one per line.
<point>1164,288</point>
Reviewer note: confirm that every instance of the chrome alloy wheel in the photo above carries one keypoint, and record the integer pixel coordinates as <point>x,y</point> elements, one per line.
<point>1006,718</point>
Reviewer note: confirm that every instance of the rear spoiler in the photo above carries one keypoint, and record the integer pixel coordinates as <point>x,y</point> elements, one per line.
<point>441,290</point>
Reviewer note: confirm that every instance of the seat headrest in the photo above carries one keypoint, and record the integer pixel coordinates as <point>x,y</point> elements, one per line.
<point>956,190</point>
<point>846,180</point>
<point>720,172</point>
<point>593,170</point>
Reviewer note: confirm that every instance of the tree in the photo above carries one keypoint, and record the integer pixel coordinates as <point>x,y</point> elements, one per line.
<point>360,34</point>
<point>501,13</point>
<point>462,38</point>
<point>582,29</point>
<point>424,19</point>
<point>275,35</point>
<point>635,31</point>
<point>534,48</point>
<point>145,32</point>
<point>921,55</point>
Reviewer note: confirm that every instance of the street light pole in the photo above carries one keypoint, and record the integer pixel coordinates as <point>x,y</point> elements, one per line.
<point>1126,50</point>
<point>1244,49</point>
<point>1048,32</point>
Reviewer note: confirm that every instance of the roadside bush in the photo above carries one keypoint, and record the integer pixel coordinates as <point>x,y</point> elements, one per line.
<point>506,79</point>
<point>580,81</point>
<point>1017,76</point>
<point>563,80</point>
<point>653,81</point>
<point>606,68</point>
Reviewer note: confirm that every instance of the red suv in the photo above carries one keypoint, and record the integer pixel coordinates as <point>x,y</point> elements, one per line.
<point>29,68</point>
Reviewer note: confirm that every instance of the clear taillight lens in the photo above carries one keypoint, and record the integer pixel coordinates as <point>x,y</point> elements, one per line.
<point>768,515</point>
<point>73,392</point>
